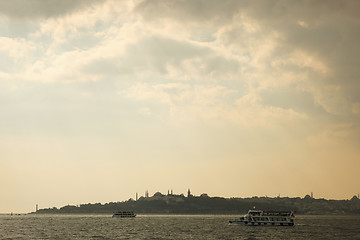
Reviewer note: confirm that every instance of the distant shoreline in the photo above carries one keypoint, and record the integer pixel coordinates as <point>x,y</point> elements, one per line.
<point>161,214</point>
<point>170,204</point>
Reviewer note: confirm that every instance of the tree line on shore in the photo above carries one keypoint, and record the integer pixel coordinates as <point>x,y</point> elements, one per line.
<point>179,204</point>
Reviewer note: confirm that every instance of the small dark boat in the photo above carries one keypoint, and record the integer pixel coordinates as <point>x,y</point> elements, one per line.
<point>124,214</point>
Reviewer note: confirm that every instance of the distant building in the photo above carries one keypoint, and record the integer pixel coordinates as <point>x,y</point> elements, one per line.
<point>189,193</point>
<point>158,194</point>
<point>204,195</point>
<point>308,197</point>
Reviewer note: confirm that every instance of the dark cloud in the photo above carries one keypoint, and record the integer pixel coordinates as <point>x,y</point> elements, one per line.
<point>327,31</point>
<point>29,9</point>
<point>189,11</point>
<point>267,10</point>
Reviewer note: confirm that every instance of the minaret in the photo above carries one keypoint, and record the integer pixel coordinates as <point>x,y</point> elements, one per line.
<point>312,195</point>
<point>136,196</point>
<point>189,193</point>
<point>37,207</point>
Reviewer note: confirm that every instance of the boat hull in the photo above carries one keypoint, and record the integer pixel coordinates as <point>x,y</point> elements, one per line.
<point>119,216</point>
<point>124,214</point>
<point>263,223</point>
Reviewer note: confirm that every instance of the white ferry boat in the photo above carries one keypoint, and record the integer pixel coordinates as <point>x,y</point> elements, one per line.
<point>258,217</point>
<point>124,214</point>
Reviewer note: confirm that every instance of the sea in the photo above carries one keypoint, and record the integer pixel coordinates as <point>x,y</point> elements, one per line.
<point>33,226</point>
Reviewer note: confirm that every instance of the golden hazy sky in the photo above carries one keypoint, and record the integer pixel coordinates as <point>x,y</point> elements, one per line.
<point>103,99</point>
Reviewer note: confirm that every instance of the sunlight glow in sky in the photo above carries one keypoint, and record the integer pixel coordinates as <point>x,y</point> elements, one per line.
<point>103,99</point>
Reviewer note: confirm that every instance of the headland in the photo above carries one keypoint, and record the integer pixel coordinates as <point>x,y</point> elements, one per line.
<point>204,204</point>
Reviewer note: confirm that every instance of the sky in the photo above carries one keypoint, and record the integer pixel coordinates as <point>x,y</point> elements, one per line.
<point>100,100</point>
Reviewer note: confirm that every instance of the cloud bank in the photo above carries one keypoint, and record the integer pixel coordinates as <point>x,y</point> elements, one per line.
<point>269,77</point>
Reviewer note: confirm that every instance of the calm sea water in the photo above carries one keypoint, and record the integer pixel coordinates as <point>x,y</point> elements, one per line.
<point>172,227</point>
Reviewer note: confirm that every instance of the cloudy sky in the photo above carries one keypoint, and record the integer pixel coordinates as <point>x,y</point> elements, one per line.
<point>103,99</point>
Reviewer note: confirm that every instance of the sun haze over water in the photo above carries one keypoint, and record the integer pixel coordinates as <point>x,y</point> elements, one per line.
<point>103,99</point>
